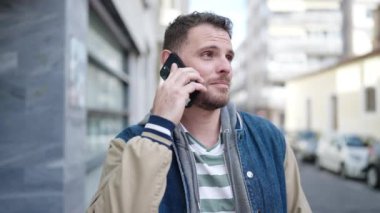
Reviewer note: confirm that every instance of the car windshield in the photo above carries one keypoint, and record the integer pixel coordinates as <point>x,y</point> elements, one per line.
<point>355,141</point>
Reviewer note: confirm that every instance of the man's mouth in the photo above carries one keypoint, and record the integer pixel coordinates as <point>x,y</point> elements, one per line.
<point>221,83</point>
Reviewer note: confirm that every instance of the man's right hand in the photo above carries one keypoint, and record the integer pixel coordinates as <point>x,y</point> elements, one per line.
<point>172,95</point>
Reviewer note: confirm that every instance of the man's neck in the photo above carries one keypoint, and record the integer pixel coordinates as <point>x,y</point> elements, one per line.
<point>204,125</point>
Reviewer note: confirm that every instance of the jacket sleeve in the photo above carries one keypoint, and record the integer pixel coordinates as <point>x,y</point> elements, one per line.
<point>134,175</point>
<point>296,199</point>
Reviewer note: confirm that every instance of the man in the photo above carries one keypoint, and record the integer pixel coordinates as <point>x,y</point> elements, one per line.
<point>204,158</point>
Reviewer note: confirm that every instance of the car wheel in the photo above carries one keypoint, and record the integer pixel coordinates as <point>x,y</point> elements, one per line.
<point>301,157</point>
<point>343,171</point>
<point>373,177</point>
<point>318,163</point>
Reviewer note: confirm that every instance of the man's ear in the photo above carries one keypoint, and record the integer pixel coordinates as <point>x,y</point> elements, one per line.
<point>164,55</point>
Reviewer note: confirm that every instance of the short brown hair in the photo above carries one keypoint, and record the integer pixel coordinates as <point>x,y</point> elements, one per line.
<point>176,32</point>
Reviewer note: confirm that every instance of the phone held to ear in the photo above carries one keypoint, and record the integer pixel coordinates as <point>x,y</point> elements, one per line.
<point>165,71</point>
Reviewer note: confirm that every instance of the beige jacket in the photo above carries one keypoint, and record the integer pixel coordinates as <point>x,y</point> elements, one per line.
<point>134,179</point>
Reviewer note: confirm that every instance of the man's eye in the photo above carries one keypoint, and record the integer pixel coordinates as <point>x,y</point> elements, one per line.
<point>229,57</point>
<point>207,54</point>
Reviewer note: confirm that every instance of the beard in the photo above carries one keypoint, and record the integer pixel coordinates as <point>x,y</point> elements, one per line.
<point>213,99</point>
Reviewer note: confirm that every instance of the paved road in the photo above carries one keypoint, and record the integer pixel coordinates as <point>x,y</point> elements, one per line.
<point>328,192</point>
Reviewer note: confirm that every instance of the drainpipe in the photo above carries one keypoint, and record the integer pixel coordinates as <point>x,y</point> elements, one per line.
<point>376,30</point>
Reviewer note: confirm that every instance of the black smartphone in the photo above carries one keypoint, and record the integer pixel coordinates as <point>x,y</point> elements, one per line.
<point>165,71</point>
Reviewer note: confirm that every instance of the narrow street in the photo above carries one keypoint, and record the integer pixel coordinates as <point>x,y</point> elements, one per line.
<point>328,192</point>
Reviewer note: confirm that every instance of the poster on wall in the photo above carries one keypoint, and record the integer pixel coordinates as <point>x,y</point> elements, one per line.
<point>77,74</point>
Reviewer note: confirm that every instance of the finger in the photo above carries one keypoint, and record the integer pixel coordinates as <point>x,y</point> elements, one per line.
<point>185,75</point>
<point>173,70</point>
<point>194,86</point>
<point>174,66</point>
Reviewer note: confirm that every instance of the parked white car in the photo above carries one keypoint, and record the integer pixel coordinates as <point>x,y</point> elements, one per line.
<point>305,145</point>
<point>344,154</point>
<point>373,168</point>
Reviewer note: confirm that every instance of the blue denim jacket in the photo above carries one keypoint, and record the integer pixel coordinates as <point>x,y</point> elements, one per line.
<point>256,153</point>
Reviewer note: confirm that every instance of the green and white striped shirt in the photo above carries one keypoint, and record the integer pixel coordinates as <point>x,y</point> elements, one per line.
<point>215,190</point>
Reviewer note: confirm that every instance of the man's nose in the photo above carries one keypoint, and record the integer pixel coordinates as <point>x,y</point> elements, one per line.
<point>224,65</point>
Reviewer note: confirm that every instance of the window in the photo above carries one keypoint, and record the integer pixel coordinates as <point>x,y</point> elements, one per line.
<point>106,89</point>
<point>370,99</point>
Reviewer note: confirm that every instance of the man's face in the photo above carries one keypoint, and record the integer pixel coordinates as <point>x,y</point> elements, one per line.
<point>209,50</point>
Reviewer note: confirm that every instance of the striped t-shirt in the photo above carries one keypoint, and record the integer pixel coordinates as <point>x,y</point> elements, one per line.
<point>215,190</point>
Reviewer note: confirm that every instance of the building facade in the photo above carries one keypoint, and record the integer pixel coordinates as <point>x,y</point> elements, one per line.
<point>74,73</point>
<point>341,99</point>
<point>287,38</point>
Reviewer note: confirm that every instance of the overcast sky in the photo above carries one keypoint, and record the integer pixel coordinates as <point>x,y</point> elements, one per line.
<point>233,9</point>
